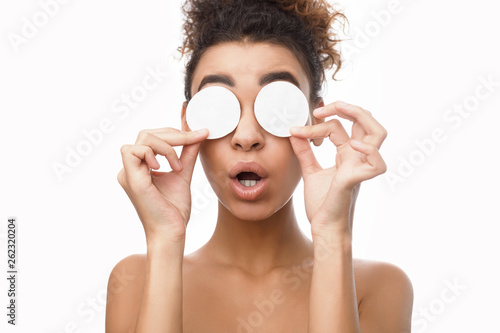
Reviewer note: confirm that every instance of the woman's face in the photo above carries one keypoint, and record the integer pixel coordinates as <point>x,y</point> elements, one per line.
<point>249,152</point>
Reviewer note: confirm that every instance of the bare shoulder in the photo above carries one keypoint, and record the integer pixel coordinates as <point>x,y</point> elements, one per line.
<point>124,293</point>
<point>385,296</point>
<point>378,273</point>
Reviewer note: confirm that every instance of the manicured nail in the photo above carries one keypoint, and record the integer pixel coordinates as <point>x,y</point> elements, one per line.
<point>340,103</point>
<point>294,129</point>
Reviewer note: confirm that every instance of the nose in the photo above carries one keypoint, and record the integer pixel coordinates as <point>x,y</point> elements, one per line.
<point>248,134</point>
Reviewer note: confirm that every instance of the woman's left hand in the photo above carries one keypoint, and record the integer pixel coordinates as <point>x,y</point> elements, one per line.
<point>330,193</point>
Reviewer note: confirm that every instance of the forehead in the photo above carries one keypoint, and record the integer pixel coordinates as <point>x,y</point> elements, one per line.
<point>247,62</point>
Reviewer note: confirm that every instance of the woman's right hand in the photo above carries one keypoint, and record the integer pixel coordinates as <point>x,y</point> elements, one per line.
<point>162,199</point>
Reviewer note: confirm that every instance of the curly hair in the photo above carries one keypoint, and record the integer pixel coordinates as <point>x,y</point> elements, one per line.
<point>304,26</point>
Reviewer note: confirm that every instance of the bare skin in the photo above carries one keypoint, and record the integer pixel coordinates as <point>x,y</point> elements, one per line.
<point>258,272</point>
<point>214,296</point>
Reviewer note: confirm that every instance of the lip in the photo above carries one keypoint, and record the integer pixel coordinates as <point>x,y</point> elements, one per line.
<point>248,193</point>
<point>248,167</point>
<point>244,192</point>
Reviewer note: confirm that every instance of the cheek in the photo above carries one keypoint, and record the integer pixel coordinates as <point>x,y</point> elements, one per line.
<point>294,169</point>
<point>208,156</point>
<point>211,162</point>
<point>289,165</point>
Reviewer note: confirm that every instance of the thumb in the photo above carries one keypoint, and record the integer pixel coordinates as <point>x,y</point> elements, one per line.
<point>188,160</point>
<point>305,155</point>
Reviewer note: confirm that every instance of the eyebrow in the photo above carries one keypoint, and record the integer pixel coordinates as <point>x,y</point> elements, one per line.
<point>265,79</point>
<point>278,76</point>
<point>216,78</point>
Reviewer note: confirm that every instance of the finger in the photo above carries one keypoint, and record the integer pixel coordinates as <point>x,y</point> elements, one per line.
<point>188,160</point>
<point>375,164</point>
<point>375,133</point>
<point>357,132</point>
<point>317,142</point>
<point>175,137</point>
<point>137,162</point>
<point>305,155</point>
<point>134,155</point>
<point>332,129</point>
<point>161,147</point>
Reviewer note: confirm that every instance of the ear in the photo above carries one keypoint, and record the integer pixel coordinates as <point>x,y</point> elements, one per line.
<point>317,142</point>
<point>184,124</point>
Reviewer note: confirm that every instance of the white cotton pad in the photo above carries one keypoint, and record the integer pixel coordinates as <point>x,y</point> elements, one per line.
<point>279,106</point>
<point>215,108</point>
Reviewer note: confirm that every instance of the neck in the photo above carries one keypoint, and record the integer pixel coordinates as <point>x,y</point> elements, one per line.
<point>258,247</point>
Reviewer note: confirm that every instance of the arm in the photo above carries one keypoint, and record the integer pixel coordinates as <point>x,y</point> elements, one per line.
<point>163,202</point>
<point>333,289</point>
<point>330,196</point>
<point>145,291</point>
<point>386,305</point>
<point>333,304</point>
<point>161,304</point>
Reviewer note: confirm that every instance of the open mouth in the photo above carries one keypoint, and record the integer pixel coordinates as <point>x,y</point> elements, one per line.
<point>248,179</point>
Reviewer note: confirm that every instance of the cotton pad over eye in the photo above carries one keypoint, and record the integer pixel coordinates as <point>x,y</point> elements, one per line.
<point>215,108</point>
<point>279,106</point>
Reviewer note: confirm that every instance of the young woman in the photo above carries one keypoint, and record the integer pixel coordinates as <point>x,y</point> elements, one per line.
<point>258,272</point>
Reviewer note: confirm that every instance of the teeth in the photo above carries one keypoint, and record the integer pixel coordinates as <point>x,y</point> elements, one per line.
<point>247,182</point>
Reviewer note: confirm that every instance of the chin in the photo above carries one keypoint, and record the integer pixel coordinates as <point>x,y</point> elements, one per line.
<point>253,211</point>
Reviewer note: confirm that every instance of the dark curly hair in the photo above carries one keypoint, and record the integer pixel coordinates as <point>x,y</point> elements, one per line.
<point>303,26</point>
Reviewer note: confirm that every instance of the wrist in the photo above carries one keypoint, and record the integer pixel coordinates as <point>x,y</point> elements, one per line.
<point>339,230</point>
<point>166,252</point>
<point>171,232</point>
<point>332,237</point>
<point>158,241</point>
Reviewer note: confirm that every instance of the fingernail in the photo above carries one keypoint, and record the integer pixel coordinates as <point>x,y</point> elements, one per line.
<point>180,164</point>
<point>340,103</point>
<point>294,129</point>
<point>201,131</point>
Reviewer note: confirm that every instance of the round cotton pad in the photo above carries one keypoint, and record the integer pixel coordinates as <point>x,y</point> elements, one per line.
<point>279,106</point>
<point>215,108</point>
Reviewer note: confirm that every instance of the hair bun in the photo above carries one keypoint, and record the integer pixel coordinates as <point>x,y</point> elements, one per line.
<point>321,18</point>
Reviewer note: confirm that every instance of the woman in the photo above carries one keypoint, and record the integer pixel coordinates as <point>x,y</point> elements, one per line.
<point>258,272</point>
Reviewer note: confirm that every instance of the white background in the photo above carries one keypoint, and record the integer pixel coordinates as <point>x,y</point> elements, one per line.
<point>437,218</point>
